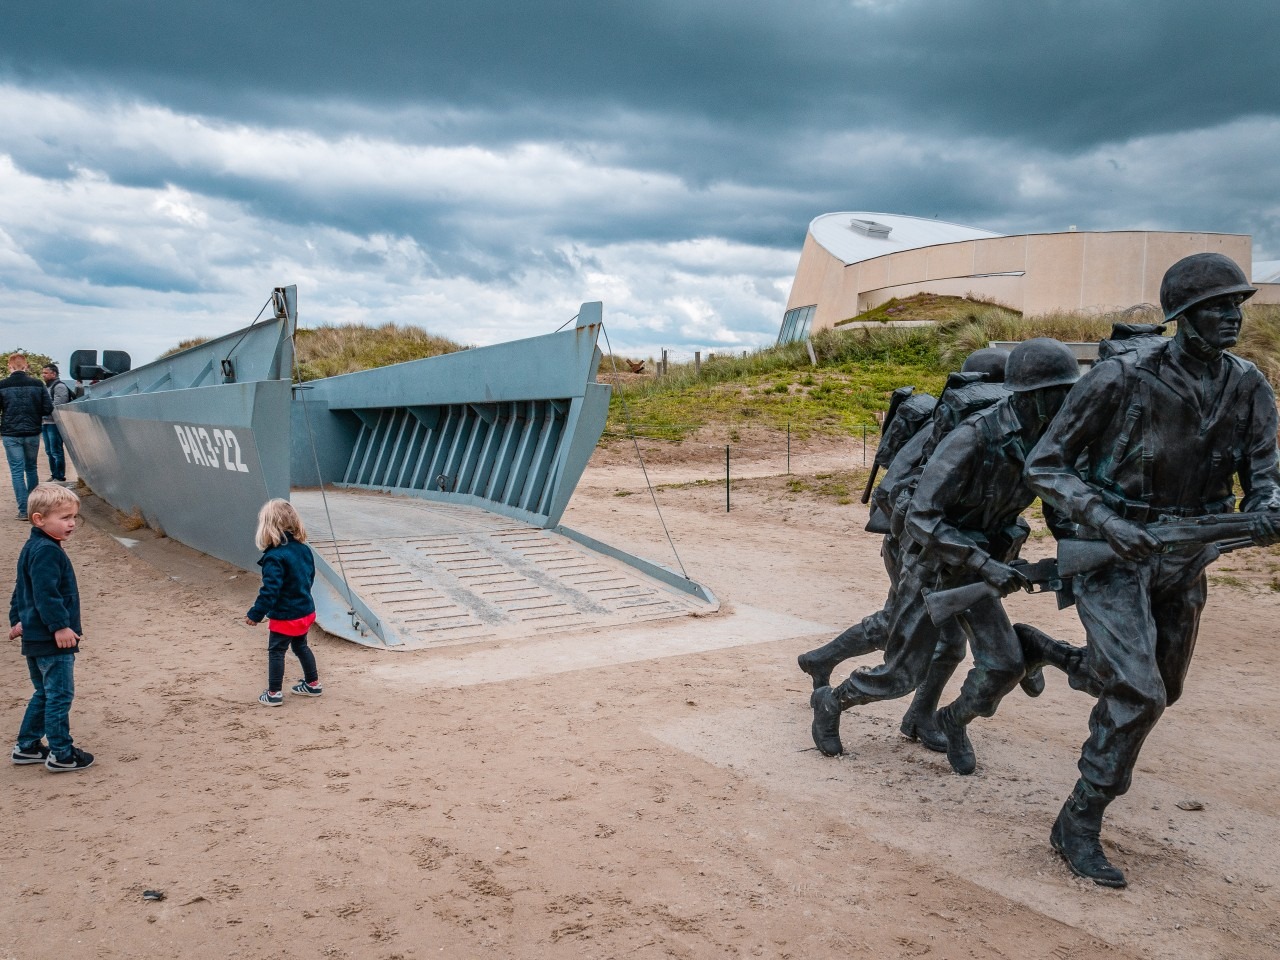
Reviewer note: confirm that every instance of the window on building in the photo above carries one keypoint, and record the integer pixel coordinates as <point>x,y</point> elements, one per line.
<point>795,324</point>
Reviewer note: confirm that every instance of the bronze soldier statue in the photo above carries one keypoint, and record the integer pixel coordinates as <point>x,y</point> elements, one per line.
<point>978,384</point>
<point>962,527</point>
<point>1150,435</point>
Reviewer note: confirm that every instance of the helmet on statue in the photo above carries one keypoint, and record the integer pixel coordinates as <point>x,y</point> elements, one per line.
<point>1040,363</point>
<point>989,361</point>
<point>1201,277</point>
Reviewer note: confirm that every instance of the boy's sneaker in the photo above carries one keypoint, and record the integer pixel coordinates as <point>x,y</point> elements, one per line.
<point>304,689</point>
<point>37,754</point>
<point>77,761</point>
<point>269,699</point>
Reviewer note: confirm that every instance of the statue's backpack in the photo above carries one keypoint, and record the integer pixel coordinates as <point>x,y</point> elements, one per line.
<point>1130,337</point>
<point>908,412</point>
<point>908,415</point>
<point>964,395</point>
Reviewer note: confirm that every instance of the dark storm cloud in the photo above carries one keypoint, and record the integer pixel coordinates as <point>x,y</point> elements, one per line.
<point>665,156</point>
<point>1070,73</point>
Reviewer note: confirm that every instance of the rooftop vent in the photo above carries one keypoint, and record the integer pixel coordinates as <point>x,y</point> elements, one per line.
<point>869,228</point>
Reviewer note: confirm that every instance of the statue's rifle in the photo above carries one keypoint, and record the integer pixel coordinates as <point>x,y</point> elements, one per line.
<point>1039,576</point>
<point>1215,534</point>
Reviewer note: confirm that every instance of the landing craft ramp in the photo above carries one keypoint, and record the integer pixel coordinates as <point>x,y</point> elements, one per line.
<point>428,574</point>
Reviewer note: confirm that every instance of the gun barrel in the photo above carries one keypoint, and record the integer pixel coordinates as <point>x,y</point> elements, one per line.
<point>871,482</point>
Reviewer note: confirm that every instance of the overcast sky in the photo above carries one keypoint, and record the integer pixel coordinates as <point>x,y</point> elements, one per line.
<point>480,168</point>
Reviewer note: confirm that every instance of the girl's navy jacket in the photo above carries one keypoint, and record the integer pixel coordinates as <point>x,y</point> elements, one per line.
<point>287,573</point>
<point>45,596</point>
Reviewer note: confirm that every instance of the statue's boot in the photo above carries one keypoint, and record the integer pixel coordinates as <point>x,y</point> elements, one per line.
<point>952,722</point>
<point>917,722</point>
<point>1075,836</point>
<point>1039,649</point>
<point>857,641</point>
<point>828,703</point>
<point>1032,682</point>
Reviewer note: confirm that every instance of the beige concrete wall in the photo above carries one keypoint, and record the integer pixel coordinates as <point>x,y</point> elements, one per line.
<point>1267,293</point>
<point>1051,272</point>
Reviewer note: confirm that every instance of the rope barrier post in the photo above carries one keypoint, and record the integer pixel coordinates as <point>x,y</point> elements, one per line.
<point>726,478</point>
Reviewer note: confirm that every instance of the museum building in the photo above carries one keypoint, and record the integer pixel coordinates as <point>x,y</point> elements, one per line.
<point>853,262</point>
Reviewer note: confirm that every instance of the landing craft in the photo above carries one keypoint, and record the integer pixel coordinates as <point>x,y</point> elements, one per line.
<point>432,490</point>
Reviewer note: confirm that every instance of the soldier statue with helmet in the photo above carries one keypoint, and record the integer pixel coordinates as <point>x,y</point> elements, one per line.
<point>963,527</point>
<point>977,385</point>
<point>1150,436</point>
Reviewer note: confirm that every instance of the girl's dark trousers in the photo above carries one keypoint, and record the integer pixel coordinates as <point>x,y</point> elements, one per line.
<point>277,644</point>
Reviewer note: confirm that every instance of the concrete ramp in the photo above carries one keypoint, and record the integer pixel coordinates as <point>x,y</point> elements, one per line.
<point>405,573</point>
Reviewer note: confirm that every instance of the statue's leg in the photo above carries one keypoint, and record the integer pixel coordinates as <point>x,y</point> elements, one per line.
<point>871,633</point>
<point>1141,621</point>
<point>912,640</point>
<point>998,665</point>
<point>917,722</point>
<point>1042,650</point>
<point>859,640</point>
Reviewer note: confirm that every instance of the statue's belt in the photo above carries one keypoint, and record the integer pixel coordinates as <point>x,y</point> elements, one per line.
<point>1140,512</point>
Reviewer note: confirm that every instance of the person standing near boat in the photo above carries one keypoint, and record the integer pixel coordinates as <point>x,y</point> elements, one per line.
<point>288,571</point>
<point>24,403</point>
<point>60,393</point>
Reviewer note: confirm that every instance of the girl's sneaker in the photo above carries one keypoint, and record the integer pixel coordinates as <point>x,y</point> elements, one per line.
<point>269,699</point>
<point>304,689</point>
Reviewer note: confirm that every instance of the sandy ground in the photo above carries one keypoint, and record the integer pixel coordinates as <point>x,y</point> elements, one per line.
<point>661,805</point>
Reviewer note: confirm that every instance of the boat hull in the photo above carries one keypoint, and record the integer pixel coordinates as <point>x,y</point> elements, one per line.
<point>197,464</point>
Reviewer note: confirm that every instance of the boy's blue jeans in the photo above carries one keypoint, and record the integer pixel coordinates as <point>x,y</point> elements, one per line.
<point>54,451</point>
<point>23,454</point>
<point>49,710</point>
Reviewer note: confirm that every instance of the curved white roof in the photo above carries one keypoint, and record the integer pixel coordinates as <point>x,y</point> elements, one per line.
<point>853,236</point>
<point>1266,271</point>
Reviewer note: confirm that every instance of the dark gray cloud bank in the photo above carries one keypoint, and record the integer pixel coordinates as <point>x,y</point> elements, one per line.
<point>479,168</point>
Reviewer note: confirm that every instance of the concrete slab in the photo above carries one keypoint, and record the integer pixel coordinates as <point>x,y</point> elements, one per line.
<point>743,626</point>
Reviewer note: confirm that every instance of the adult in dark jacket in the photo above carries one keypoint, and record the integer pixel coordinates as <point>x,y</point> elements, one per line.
<point>24,403</point>
<point>53,449</point>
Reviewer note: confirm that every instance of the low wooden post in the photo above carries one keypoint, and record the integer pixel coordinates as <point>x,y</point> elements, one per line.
<point>664,361</point>
<point>697,363</point>
<point>788,448</point>
<point>726,478</point>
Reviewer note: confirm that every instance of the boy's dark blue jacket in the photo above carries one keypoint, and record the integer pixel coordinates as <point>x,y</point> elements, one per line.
<point>287,572</point>
<point>45,596</point>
